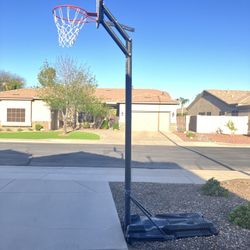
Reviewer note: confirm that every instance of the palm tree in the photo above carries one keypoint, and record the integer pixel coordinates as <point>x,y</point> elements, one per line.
<point>183,101</point>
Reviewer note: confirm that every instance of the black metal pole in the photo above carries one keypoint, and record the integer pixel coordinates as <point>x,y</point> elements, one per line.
<point>128,134</point>
<point>128,102</point>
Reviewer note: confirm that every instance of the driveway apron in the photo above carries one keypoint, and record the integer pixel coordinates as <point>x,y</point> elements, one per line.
<point>58,215</point>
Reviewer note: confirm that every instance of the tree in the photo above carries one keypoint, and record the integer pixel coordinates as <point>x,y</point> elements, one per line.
<point>183,101</point>
<point>10,81</point>
<point>82,85</point>
<point>98,110</point>
<point>68,90</point>
<point>47,75</point>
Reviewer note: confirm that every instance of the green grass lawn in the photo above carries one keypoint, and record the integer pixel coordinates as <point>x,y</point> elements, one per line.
<point>49,135</point>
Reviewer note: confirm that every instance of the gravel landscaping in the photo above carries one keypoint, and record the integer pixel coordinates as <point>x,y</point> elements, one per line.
<point>169,198</point>
<point>220,138</point>
<point>240,187</point>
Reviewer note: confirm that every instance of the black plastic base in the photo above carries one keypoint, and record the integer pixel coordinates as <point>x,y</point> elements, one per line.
<point>170,226</point>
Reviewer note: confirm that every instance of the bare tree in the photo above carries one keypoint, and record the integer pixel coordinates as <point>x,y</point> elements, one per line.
<point>70,90</point>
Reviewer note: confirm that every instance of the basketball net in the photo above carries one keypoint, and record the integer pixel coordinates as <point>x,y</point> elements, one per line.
<point>69,21</point>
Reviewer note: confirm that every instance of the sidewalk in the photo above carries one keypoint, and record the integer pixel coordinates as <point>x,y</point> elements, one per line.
<point>117,174</point>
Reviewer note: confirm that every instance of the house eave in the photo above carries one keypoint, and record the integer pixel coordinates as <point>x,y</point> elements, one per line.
<point>153,103</point>
<point>16,99</point>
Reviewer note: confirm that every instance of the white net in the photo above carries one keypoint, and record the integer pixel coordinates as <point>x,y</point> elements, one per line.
<point>69,22</point>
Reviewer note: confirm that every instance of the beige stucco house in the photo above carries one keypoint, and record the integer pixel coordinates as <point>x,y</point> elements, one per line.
<point>23,108</point>
<point>220,103</point>
<point>152,110</point>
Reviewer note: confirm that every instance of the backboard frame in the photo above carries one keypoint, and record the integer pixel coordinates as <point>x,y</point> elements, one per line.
<point>99,12</point>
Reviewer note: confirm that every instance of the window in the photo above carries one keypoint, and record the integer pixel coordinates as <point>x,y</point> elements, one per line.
<point>222,113</point>
<point>15,115</point>
<point>209,113</point>
<point>202,113</point>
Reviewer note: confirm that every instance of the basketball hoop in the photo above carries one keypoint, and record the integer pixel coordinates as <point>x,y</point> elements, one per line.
<point>69,20</point>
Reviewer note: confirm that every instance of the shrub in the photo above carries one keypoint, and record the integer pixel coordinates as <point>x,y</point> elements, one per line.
<point>219,131</point>
<point>105,125</point>
<point>8,129</point>
<point>240,215</point>
<point>213,188</point>
<point>190,134</point>
<point>19,129</point>
<point>231,126</point>
<point>86,125</point>
<point>116,126</point>
<point>38,127</point>
<point>30,129</point>
<point>1,129</point>
<point>180,114</point>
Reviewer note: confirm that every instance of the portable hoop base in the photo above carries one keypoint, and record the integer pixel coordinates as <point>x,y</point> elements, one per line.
<point>172,226</point>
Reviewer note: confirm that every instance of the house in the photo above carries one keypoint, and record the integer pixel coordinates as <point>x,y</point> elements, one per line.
<point>24,108</point>
<point>221,103</point>
<point>152,110</point>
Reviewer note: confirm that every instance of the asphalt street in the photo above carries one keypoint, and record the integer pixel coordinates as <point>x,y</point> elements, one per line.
<point>112,156</point>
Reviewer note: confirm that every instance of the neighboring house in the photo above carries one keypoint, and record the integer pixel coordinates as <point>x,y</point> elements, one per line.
<point>244,106</point>
<point>219,103</point>
<point>152,110</point>
<point>23,108</point>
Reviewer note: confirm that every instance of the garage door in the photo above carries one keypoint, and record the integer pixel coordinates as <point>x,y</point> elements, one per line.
<point>150,121</point>
<point>164,121</point>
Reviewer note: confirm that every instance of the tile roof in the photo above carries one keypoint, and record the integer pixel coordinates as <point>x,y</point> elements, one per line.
<point>20,94</point>
<point>109,95</point>
<point>231,96</point>
<point>139,96</point>
<point>245,101</point>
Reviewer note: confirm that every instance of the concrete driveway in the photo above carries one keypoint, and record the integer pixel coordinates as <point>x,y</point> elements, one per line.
<point>117,137</point>
<point>58,215</point>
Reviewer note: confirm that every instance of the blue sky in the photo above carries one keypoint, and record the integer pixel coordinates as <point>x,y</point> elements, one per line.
<point>180,46</point>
